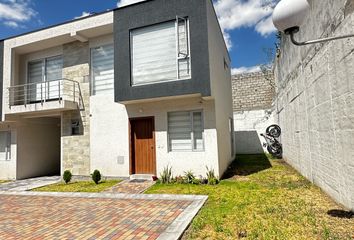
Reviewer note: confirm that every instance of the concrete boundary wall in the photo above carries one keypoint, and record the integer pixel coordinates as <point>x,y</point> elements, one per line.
<point>315,100</point>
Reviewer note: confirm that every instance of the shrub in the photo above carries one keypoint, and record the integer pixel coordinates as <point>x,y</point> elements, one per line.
<point>67,176</point>
<point>196,181</point>
<point>189,177</point>
<point>212,180</point>
<point>166,175</point>
<point>96,176</point>
<point>178,179</point>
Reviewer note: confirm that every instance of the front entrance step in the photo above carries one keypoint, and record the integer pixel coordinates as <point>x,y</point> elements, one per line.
<point>141,177</point>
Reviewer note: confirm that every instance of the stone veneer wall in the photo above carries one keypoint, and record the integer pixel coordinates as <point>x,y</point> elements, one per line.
<point>76,149</point>
<point>316,100</point>
<point>253,91</point>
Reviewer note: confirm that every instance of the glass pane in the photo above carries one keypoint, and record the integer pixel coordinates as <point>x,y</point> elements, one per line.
<point>35,75</point>
<point>35,71</point>
<point>54,68</point>
<point>198,143</point>
<point>179,130</point>
<point>153,53</point>
<point>103,69</point>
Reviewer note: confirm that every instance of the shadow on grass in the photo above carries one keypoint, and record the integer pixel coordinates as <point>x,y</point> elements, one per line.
<point>245,165</point>
<point>340,213</point>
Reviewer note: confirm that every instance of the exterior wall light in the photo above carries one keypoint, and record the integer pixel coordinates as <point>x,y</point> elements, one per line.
<point>289,15</point>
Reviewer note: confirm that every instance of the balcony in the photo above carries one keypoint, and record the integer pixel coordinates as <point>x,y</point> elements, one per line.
<point>45,97</point>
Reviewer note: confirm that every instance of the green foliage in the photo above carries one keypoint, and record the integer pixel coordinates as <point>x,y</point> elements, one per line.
<point>212,179</point>
<point>67,176</point>
<point>261,198</point>
<point>189,177</point>
<point>166,175</point>
<point>96,176</point>
<point>81,186</point>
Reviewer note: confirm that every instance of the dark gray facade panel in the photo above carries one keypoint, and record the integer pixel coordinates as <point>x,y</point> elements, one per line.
<point>1,75</point>
<point>154,12</point>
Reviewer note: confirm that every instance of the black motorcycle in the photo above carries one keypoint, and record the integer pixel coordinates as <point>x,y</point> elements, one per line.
<point>273,146</point>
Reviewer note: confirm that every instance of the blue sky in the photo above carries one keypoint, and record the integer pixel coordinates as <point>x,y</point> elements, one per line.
<point>246,24</point>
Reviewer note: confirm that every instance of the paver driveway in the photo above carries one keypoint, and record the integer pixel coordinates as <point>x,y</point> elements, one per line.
<point>95,216</point>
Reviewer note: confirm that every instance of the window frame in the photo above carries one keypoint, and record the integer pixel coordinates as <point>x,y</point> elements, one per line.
<point>43,60</point>
<point>191,119</point>
<point>91,68</point>
<point>8,145</point>
<point>176,22</point>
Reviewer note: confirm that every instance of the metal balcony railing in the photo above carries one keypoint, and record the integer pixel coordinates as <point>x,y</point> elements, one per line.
<point>49,91</point>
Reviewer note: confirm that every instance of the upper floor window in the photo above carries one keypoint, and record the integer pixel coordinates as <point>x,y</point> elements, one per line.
<point>160,52</point>
<point>48,71</point>
<point>5,145</point>
<point>102,69</point>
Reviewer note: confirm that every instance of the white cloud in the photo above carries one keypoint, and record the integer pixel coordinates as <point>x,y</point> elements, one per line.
<point>234,14</point>
<point>266,26</point>
<point>15,12</point>
<point>84,14</point>
<point>11,24</point>
<point>122,3</point>
<point>245,70</point>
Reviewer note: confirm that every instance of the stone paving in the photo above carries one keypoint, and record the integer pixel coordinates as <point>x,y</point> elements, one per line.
<point>131,186</point>
<point>30,215</point>
<point>28,184</point>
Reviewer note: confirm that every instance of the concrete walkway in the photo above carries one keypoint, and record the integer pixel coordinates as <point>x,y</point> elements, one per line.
<point>28,184</point>
<point>131,186</point>
<point>39,215</point>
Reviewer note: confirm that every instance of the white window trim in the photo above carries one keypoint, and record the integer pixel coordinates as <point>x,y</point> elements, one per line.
<point>177,58</point>
<point>192,132</point>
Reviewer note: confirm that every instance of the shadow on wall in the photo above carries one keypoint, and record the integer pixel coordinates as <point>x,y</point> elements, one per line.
<point>246,165</point>
<point>248,142</point>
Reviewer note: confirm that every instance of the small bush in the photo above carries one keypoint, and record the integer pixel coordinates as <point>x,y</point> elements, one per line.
<point>178,180</point>
<point>197,181</point>
<point>67,176</point>
<point>96,176</point>
<point>189,177</point>
<point>166,175</point>
<point>212,180</point>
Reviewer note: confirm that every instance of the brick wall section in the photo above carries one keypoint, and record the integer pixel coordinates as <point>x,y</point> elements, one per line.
<point>252,91</point>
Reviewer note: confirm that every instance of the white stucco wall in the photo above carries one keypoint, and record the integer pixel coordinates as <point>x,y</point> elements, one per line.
<point>221,90</point>
<point>38,146</point>
<point>8,168</point>
<point>248,127</point>
<point>110,135</point>
<point>109,142</point>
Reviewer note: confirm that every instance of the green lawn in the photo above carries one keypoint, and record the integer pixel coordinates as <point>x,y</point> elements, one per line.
<point>80,186</point>
<point>263,199</point>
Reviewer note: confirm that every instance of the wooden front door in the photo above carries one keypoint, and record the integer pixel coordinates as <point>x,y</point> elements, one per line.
<point>142,146</point>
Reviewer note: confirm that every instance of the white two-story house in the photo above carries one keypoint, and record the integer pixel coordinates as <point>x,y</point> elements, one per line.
<point>128,91</point>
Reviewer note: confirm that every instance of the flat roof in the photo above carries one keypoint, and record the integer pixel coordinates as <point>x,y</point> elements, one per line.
<point>74,20</point>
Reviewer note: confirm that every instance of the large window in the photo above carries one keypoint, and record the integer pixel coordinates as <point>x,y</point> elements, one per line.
<point>102,68</point>
<point>185,131</point>
<point>160,52</point>
<point>5,146</point>
<point>44,70</point>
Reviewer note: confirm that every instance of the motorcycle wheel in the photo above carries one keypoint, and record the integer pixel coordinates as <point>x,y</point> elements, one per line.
<point>276,150</point>
<point>274,131</point>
